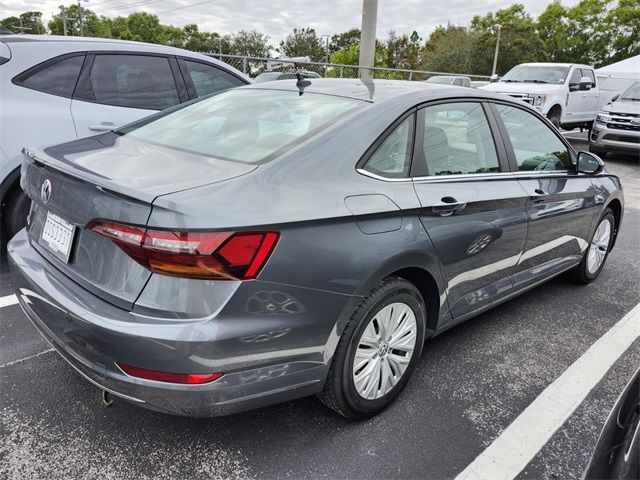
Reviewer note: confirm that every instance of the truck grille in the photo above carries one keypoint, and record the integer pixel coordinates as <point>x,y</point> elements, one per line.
<point>522,96</point>
<point>623,121</point>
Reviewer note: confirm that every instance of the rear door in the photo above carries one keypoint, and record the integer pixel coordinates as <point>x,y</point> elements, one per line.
<point>118,88</point>
<point>561,203</point>
<point>473,208</point>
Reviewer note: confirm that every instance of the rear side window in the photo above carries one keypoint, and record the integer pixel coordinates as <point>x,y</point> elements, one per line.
<point>135,81</point>
<point>393,157</point>
<point>57,77</point>
<point>535,145</point>
<point>208,79</point>
<point>457,140</point>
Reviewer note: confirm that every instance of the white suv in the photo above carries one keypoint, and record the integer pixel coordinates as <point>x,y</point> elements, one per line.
<point>54,89</point>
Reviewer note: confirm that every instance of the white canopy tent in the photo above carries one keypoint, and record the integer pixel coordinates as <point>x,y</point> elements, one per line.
<point>619,76</point>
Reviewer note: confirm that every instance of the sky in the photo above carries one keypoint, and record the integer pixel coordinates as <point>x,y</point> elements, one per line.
<point>277,18</point>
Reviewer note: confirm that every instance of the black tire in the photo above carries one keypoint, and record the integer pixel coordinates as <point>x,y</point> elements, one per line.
<point>554,118</point>
<point>581,273</point>
<point>15,211</point>
<point>339,391</point>
<point>597,151</point>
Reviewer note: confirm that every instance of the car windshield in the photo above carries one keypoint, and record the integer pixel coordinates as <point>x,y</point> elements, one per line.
<point>536,74</point>
<point>446,80</point>
<point>632,93</point>
<point>244,125</point>
<point>267,77</point>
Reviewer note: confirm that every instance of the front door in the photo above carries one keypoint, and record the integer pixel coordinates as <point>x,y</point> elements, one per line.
<point>473,209</point>
<point>561,202</point>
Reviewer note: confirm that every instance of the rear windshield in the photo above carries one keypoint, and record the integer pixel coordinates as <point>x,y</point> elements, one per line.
<point>244,125</point>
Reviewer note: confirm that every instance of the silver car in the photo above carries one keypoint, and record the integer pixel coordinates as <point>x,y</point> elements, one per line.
<point>288,239</point>
<point>617,126</point>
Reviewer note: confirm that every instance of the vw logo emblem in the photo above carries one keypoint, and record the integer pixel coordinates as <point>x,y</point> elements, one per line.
<point>45,191</point>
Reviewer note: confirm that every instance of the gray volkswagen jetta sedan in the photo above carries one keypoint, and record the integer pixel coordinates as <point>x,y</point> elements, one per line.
<point>277,241</point>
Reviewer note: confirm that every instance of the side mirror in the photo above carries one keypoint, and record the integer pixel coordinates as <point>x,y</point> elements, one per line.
<point>614,98</point>
<point>589,163</point>
<point>585,83</point>
<point>493,78</point>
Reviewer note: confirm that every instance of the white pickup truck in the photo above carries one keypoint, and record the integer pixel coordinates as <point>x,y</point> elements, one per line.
<point>567,93</point>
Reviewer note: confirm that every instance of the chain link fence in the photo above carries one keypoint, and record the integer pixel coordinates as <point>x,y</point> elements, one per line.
<point>254,66</point>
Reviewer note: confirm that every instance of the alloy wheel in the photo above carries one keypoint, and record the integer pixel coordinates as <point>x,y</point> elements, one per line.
<point>599,246</point>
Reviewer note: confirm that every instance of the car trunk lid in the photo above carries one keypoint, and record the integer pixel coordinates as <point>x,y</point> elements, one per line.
<point>103,178</point>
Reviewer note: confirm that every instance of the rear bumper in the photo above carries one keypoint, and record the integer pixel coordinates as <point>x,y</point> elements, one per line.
<point>265,360</point>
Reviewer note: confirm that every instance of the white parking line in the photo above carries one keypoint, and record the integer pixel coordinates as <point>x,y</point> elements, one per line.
<point>20,360</point>
<point>516,446</point>
<point>8,300</point>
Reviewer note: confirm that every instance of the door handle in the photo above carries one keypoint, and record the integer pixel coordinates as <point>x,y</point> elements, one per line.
<point>538,194</point>
<point>102,126</point>
<point>448,207</point>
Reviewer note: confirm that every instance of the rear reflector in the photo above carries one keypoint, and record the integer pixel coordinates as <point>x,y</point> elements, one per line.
<point>183,378</point>
<point>212,255</point>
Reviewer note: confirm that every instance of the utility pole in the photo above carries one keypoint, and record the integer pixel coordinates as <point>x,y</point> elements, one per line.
<point>368,37</point>
<point>64,19</point>
<point>80,18</point>
<point>21,27</point>
<point>495,55</point>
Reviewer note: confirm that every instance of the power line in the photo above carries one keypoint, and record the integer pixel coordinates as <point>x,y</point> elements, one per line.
<point>127,6</point>
<point>186,6</point>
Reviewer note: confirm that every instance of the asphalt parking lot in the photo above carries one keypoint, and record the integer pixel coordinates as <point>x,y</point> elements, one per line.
<point>472,382</point>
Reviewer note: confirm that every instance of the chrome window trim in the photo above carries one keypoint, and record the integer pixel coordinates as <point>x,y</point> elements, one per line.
<point>440,178</point>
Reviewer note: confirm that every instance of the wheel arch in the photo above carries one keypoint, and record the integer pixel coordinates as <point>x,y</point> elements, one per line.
<point>422,269</point>
<point>616,207</point>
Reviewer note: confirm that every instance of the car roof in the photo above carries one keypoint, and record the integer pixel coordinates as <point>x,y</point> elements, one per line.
<point>552,64</point>
<point>379,90</point>
<point>72,44</point>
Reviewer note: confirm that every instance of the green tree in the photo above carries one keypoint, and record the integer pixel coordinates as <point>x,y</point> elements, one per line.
<point>451,49</point>
<point>303,42</point>
<point>554,33</point>
<point>344,40</point>
<point>31,23</point>
<point>92,25</point>
<point>519,39</point>
<point>624,24</point>
<point>402,51</point>
<point>250,43</point>
<point>145,27</point>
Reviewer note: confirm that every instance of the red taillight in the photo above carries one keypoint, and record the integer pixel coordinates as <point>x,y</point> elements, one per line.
<point>214,255</point>
<point>185,378</point>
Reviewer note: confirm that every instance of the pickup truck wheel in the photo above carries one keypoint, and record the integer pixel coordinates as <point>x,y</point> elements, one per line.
<point>554,118</point>
<point>15,210</point>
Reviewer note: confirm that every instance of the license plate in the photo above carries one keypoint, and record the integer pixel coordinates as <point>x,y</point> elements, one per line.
<point>57,236</point>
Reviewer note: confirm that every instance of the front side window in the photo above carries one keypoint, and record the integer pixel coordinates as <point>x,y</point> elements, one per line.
<point>243,125</point>
<point>208,79</point>
<point>458,140</point>
<point>393,157</point>
<point>575,77</point>
<point>536,146</point>
<point>57,78</point>
<point>134,81</point>
<point>587,72</point>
